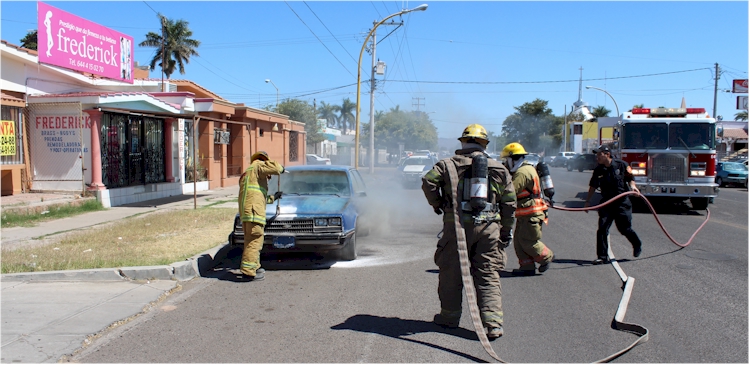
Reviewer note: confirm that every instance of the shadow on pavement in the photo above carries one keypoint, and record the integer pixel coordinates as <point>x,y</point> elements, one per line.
<point>162,201</point>
<point>395,327</point>
<point>270,262</point>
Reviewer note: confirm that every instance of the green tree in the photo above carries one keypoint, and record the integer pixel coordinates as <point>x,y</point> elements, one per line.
<point>636,106</point>
<point>534,126</point>
<point>414,130</point>
<point>346,114</point>
<point>176,47</point>
<point>600,112</point>
<point>741,116</point>
<point>328,112</point>
<point>302,111</point>
<point>30,40</point>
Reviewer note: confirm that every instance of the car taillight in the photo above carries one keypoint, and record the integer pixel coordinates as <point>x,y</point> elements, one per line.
<point>638,168</point>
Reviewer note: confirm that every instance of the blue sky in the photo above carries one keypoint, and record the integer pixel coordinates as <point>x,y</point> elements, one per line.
<point>462,62</point>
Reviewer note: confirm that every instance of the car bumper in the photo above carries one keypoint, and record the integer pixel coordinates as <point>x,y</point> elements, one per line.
<point>308,242</point>
<point>734,179</point>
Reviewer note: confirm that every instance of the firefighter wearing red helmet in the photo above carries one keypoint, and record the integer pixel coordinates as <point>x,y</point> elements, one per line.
<point>252,200</point>
<point>530,214</point>
<point>485,205</point>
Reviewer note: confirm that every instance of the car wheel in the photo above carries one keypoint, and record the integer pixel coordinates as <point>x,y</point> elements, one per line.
<point>580,169</point>
<point>349,252</point>
<point>720,181</point>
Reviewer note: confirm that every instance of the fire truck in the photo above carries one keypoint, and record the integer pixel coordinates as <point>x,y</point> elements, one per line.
<point>671,151</point>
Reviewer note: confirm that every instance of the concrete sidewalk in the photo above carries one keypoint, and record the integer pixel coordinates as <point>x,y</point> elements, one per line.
<point>47,315</point>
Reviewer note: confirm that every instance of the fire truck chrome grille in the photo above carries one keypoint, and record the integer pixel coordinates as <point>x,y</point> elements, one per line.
<point>669,168</point>
<point>293,226</point>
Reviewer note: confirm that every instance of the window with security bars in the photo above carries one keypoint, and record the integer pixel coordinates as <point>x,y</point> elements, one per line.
<point>132,150</point>
<point>293,146</point>
<point>11,136</point>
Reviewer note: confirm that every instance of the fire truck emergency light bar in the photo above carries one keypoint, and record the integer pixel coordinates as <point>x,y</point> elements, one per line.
<point>669,112</point>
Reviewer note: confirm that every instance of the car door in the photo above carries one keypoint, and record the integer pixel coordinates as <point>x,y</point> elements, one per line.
<point>359,199</point>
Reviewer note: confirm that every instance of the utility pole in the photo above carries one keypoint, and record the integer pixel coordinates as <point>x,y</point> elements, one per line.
<point>163,53</point>
<point>417,103</point>
<point>716,86</point>
<point>372,99</point>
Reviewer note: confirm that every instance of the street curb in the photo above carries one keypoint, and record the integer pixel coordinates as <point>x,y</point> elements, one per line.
<point>179,271</point>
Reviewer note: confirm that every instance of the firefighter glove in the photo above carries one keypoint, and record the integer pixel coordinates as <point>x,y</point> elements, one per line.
<point>438,210</point>
<point>506,237</point>
<point>277,195</point>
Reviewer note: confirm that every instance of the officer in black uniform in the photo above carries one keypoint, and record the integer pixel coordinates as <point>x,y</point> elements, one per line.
<point>613,177</point>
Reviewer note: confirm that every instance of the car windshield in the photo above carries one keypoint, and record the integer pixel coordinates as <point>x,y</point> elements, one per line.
<point>644,135</point>
<point>692,136</point>
<point>311,183</point>
<point>734,166</point>
<point>532,158</point>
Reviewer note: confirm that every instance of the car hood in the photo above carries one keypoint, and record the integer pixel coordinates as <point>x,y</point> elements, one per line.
<point>309,205</point>
<point>414,168</point>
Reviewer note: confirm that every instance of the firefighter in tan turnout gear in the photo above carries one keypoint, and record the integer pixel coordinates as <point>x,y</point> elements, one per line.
<point>530,214</point>
<point>252,200</point>
<point>487,222</point>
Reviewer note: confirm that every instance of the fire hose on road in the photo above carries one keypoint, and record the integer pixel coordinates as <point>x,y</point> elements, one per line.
<point>628,281</point>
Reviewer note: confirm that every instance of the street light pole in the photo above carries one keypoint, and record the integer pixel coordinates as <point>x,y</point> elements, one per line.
<point>277,91</point>
<point>359,77</point>
<point>372,108</point>
<point>610,96</point>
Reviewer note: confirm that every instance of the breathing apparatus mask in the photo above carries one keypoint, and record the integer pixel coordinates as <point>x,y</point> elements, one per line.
<point>513,162</point>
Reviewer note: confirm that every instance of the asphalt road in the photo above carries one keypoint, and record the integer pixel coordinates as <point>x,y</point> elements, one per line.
<point>378,309</point>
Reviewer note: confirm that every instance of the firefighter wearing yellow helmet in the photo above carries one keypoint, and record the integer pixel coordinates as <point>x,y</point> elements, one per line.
<point>530,214</point>
<point>485,205</point>
<point>252,200</point>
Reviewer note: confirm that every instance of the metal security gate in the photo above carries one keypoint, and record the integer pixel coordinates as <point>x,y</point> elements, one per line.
<point>132,150</point>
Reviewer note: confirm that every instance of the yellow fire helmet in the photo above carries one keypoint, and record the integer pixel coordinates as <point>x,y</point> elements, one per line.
<point>260,154</point>
<point>513,149</point>
<point>475,131</point>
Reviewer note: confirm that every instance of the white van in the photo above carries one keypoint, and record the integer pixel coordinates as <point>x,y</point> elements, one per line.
<point>561,159</point>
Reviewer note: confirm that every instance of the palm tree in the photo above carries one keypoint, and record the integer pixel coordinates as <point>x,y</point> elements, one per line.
<point>741,116</point>
<point>328,112</point>
<point>30,40</point>
<point>600,111</point>
<point>175,47</point>
<point>346,114</point>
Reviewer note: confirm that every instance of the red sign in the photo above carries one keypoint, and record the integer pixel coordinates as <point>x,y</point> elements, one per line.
<point>739,86</point>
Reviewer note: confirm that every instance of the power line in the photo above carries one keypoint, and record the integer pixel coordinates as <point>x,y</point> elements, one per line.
<point>544,82</point>
<point>316,36</point>
<point>329,31</point>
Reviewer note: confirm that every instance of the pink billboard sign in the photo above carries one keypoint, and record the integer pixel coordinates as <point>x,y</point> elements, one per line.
<point>75,43</point>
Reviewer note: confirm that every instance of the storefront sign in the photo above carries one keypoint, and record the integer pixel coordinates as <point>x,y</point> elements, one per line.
<point>75,43</point>
<point>742,102</point>
<point>7,138</point>
<point>58,142</point>
<point>739,86</point>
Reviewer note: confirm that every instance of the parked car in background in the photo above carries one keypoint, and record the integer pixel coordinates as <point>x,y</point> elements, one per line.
<point>321,210</point>
<point>533,159</point>
<point>561,159</point>
<point>414,168</point>
<point>313,159</point>
<point>731,173</point>
<point>584,161</point>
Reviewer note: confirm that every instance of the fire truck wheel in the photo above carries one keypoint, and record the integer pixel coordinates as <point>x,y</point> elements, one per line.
<point>699,203</point>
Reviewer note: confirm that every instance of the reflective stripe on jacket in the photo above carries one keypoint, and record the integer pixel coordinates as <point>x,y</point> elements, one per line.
<point>253,195</point>
<point>526,182</point>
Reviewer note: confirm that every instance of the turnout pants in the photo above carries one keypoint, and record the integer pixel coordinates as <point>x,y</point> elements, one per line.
<point>622,216</point>
<point>486,258</point>
<point>527,242</point>
<point>253,245</point>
